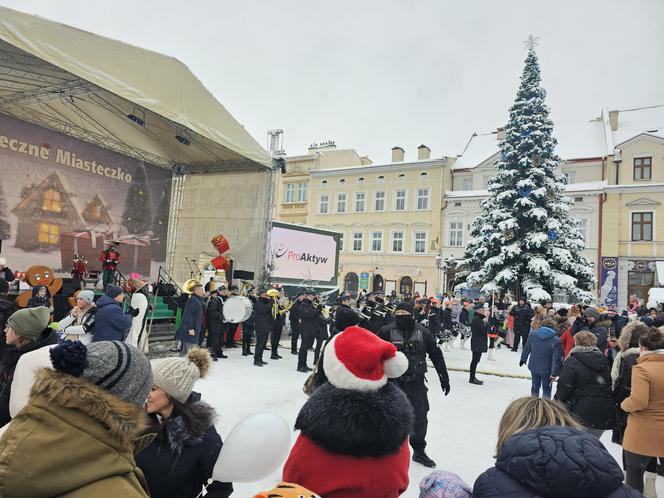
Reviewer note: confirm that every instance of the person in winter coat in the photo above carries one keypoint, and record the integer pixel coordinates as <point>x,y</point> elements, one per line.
<point>7,308</point>
<point>78,325</point>
<point>40,297</point>
<point>6,273</point>
<point>77,435</point>
<point>478,342</point>
<point>215,324</point>
<point>523,314</point>
<point>26,330</point>
<point>263,323</point>
<point>544,355</point>
<point>248,325</point>
<point>584,385</point>
<point>179,461</point>
<point>310,317</point>
<point>192,321</point>
<point>111,323</point>
<point>466,316</point>
<point>443,484</point>
<point>644,437</point>
<point>354,428</point>
<point>596,323</point>
<point>543,451</point>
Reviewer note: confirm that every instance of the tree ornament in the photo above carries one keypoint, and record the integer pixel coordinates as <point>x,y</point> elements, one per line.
<point>552,234</point>
<point>536,160</point>
<point>525,191</point>
<point>503,157</point>
<point>509,234</point>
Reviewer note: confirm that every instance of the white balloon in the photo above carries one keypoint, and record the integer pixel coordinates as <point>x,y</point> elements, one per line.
<point>255,448</point>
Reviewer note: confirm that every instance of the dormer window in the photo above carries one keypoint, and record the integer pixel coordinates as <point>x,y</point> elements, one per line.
<point>342,181</point>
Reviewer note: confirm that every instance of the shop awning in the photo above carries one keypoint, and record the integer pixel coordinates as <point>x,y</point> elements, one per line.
<point>118,96</point>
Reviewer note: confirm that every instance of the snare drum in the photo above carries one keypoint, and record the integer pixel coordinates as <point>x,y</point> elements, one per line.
<point>237,309</point>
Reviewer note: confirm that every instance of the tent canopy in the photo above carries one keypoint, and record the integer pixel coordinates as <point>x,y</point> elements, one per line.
<point>120,97</point>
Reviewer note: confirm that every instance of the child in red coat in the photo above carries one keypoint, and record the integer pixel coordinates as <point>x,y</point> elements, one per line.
<point>354,428</point>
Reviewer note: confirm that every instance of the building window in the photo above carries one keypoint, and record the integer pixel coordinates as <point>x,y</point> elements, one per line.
<point>341,203</point>
<point>49,234</point>
<point>642,226</point>
<point>467,183</point>
<point>324,204</point>
<point>402,176</point>
<point>357,241</point>
<point>422,198</point>
<point>290,192</point>
<point>379,201</point>
<point>359,201</point>
<point>642,168</point>
<point>360,179</point>
<point>397,241</point>
<point>323,182</point>
<point>400,200</point>
<point>381,178</point>
<point>52,201</point>
<point>583,228</point>
<point>420,242</point>
<point>424,174</point>
<point>456,233</point>
<point>376,241</point>
<point>570,177</point>
<point>342,181</point>
<point>302,192</point>
<point>487,179</point>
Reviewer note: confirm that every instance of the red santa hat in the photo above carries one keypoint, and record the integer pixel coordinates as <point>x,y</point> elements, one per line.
<point>359,360</point>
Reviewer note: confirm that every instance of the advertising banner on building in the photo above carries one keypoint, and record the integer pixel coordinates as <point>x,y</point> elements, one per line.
<point>60,196</point>
<point>608,295</point>
<point>304,255</point>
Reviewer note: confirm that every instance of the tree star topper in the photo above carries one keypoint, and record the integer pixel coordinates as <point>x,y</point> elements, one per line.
<point>531,42</point>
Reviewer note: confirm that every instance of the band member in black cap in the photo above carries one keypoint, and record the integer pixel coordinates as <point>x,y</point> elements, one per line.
<point>295,319</point>
<point>263,323</point>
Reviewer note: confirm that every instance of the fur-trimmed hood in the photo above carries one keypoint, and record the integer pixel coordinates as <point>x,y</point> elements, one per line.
<point>626,334</point>
<point>357,424</point>
<point>179,431</point>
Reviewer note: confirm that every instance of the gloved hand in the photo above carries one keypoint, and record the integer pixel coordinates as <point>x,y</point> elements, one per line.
<point>134,311</point>
<point>445,384</point>
<point>522,363</point>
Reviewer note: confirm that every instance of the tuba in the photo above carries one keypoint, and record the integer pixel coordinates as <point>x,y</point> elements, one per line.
<point>188,286</point>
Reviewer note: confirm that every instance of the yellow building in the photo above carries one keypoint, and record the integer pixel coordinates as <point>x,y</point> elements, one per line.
<point>632,223</point>
<point>389,218</point>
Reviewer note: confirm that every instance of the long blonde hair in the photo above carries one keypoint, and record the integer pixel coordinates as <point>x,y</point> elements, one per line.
<point>528,413</point>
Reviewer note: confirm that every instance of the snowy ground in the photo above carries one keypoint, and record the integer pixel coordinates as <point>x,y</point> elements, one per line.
<point>462,426</point>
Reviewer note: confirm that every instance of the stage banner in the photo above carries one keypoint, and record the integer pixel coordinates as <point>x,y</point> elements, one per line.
<point>608,295</point>
<point>60,196</point>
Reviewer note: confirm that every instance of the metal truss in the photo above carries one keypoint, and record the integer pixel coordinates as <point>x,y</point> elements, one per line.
<point>177,191</point>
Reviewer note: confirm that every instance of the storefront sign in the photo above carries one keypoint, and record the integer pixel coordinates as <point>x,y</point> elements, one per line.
<point>608,295</point>
<point>364,280</point>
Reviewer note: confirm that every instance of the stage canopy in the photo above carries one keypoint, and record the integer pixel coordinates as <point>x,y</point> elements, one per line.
<point>119,97</point>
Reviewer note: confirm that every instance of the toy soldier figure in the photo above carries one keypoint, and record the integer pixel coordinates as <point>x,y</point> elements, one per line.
<point>110,259</point>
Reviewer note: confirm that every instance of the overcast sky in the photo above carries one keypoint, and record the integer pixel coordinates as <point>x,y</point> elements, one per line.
<point>372,74</point>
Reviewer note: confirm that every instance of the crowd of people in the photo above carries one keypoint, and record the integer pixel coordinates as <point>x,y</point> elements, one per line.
<point>130,427</point>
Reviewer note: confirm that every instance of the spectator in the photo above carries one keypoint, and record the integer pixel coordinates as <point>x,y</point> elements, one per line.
<point>543,451</point>
<point>192,321</point>
<point>111,323</point>
<point>522,314</point>
<point>585,385</point>
<point>567,339</point>
<point>443,484</point>
<point>179,461</point>
<point>5,272</point>
<point>26,330</point>
<point>40,297</point>
<point>478,342</point>
<point>77,326</point>
<point>77,435</point>
<point>644,436</point>
<point>593,321</point>
<point>543,353</point>
<point>7,308</point>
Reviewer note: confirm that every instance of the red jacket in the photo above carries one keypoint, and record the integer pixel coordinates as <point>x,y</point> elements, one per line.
<point>567,341</point>
<point>332,475</point>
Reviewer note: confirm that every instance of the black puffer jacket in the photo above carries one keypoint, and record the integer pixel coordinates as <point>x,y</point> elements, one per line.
<point>555,462</point>
<point>181,458</point>
<point>263,315</point>
<point>480,333</point>
<point>8,365</point>
<point>584,386</point>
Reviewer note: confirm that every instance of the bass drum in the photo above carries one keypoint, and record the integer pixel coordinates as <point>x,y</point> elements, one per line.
<point>237,309</point>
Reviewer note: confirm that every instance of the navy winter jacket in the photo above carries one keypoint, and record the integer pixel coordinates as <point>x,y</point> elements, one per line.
<point>111,323</point>
<point>554,461</point>
<point>192,318</point>
<point>545,351</point>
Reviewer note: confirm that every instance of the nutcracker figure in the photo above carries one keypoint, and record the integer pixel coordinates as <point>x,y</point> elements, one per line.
<point>110,259</point>
<point>79,269</point>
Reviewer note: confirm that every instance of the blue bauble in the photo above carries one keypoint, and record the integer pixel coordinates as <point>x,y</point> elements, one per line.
<point>525,192</point>
<point>553,235</point>
<point>503,156</point>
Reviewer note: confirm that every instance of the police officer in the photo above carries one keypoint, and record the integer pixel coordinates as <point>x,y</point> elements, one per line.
<point>416,342</point>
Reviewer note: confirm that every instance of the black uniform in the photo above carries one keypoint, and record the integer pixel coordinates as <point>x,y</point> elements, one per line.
<point>416,344</point>
<point>376,321</point>
<point>310,317</point>
<point>294,316</point>
<point>522,317</point>
<point>214,321</point>
<point>275,336</point>
<point>248,327</point>
<point>263,326</point>
<point>478,341</point>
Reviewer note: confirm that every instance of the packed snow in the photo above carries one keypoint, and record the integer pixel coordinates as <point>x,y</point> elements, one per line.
<point>462,426</point>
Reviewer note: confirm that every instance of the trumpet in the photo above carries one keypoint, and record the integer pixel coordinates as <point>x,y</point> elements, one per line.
<point>364,316</point>
<point>188,286</point>
<point>323,308</point>
<point>382,309</point>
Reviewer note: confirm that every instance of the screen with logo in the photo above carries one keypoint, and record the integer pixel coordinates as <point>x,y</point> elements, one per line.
<point>303,255</point>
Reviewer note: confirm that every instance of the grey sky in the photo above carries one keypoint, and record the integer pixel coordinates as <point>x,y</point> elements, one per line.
<point>372,74</point>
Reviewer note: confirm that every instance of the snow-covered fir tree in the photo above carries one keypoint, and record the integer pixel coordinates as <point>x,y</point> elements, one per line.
<point>525,236</point>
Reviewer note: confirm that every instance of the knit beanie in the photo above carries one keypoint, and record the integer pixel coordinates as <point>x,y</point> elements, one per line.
<point>405,305</point>
<point>287,490</point>
<point>176,376</point>
<point>115,366</point>
<point>30,322</point>
<point>87,295</point>
<point>443,484</point>
<point>345,317</point>
<point>113,291</point>
<point>591,312</point>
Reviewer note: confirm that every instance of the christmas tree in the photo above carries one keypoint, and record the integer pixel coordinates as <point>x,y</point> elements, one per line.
<point>137,216</point>
<point>4,225</point>
<point>525,239</point>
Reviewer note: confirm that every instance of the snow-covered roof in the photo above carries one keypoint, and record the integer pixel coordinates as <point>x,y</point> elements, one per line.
<point>571,188</point>
<point>480,148</point>
<point>634,122</point>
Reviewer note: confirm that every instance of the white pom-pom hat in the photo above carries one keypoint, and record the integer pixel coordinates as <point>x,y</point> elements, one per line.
<point>359,360</point>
